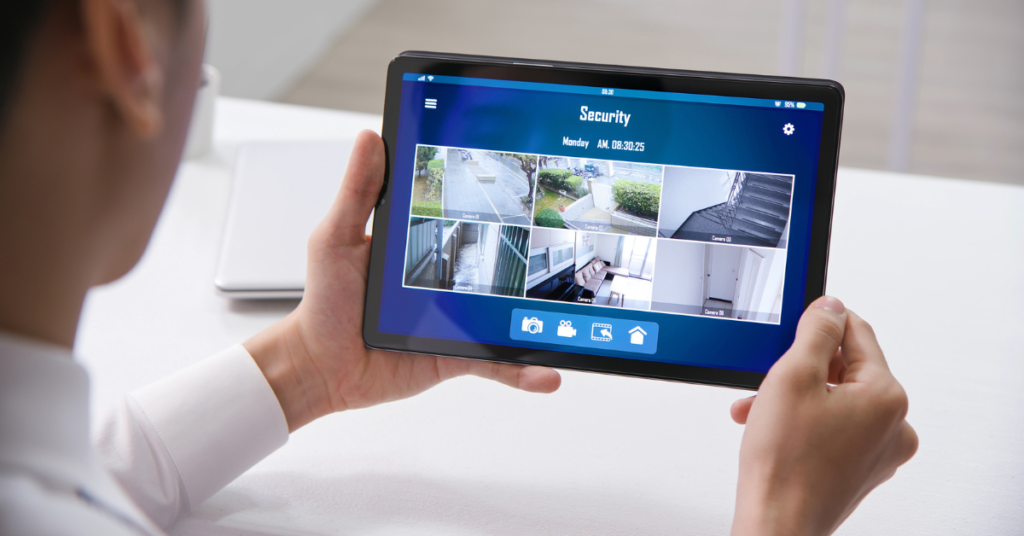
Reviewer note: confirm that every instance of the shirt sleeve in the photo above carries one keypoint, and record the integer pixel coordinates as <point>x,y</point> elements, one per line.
<point>176,442</point>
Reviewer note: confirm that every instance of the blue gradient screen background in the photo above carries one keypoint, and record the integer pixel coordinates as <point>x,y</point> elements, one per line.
<point>729,137</point>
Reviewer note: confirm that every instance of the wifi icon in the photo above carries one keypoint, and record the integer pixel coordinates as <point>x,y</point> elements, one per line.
<point>430,78</point>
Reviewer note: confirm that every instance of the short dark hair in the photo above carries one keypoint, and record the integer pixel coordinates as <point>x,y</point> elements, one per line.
<point>19,21</point>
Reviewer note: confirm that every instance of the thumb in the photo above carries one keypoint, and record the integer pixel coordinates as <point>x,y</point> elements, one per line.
<point>740,409</point>
<point>818,337</point>
<point>346,220</point>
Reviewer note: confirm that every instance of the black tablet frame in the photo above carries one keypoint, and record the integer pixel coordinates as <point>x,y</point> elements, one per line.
<point>828,92</point>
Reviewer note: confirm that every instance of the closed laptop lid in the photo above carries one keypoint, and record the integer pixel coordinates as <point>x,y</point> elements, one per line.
<point>279,193</point>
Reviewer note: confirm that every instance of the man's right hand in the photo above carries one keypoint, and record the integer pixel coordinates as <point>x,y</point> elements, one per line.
<point>827,426</point>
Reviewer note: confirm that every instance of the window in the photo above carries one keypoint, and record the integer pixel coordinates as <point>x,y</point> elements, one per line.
<point>548,261</point>
<point>538,261</point>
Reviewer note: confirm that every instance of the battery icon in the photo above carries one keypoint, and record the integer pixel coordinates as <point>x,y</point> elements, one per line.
<point>801,105</point>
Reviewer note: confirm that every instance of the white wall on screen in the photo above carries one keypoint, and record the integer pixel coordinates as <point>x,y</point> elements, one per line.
<point>606,246</point>
<point>772,281</point>
<point>541,237</point>
<point>679,277</point>
<point>686,190</point>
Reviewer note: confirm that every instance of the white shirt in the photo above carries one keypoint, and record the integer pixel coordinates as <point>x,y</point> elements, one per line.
<point>167,448</point>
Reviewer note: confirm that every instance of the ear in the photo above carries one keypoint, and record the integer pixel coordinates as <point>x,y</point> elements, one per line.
<point>120,43</point>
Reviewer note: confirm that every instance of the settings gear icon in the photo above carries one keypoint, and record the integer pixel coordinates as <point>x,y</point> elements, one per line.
<point>788,129</point>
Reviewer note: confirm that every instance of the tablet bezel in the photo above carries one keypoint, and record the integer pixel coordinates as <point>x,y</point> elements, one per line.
<point>829,93</point>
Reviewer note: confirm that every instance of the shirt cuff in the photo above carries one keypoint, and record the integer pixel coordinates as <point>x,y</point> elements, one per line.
<point>216,418</point>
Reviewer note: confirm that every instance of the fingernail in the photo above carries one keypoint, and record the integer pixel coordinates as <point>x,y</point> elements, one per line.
<point>830,303</point>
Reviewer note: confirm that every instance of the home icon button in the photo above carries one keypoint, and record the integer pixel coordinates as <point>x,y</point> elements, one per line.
<point>636,335</point>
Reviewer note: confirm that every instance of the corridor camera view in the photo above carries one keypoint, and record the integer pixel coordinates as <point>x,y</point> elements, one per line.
<point>467,184</point>
<point>481,258</point>
<point>598,195</point>
<point>726,281</point>
<point>591,268</point>
<point>733,207</point>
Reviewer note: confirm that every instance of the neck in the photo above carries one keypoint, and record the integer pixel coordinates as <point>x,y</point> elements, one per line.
<point>40,296</point>
<point>47,258</point>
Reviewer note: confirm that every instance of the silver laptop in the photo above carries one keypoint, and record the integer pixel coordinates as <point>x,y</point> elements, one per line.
<point>280,192</point>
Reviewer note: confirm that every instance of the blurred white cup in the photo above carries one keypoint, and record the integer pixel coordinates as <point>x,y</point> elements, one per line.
<point>200,132</point>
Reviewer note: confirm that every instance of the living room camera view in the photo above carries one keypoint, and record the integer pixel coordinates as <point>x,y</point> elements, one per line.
<point>467,184</point>
<point>481,258</point>
<point>732,207</point>
<point>590,232</point>
<point>739,282</point>
<point>591,268</point>
<point>598,195</point>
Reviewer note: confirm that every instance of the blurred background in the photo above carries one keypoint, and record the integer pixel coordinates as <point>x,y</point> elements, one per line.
<point>933,86</point>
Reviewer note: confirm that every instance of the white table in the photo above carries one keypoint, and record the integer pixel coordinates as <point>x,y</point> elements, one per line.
<point>936,265</point>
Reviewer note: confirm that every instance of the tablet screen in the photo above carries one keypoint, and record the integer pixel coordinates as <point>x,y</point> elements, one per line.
<point>636,224</point>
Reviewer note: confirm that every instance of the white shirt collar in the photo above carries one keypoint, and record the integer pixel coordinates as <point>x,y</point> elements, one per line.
<point>44,425</point>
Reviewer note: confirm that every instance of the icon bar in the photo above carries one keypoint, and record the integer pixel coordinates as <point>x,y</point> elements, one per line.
<point>584,331</point>
<point>430,104</point>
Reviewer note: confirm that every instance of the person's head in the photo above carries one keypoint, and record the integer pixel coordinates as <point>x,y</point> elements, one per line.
<point>95,101</point>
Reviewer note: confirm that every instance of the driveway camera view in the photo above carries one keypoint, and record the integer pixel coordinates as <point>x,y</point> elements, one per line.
<point>732,207</point>
<point>591,268</point>
<point>598,195</point>
<point>477,185</point>
<point>718,280</point>
<point>481,258</point>
<point>597,232</point>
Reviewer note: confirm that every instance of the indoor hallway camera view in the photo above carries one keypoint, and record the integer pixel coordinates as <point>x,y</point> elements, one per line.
<point>591,268</point>
<point>733,207</point>
<point>726,281</point>
<point>481,258</point>
<point>598,195</point>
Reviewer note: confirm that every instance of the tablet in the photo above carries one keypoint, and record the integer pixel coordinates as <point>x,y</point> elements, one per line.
<point>658,223</point>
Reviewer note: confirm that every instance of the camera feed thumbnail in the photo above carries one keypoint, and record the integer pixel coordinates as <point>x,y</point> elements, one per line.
<point>740,282</point>
<point>584,194</point>
<point>481,258</point>
<point>468,184</point>
<point>591,268</point>
<point>732,207</point>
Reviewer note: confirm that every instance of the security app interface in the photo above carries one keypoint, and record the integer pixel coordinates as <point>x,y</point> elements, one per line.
<point>635,224</point>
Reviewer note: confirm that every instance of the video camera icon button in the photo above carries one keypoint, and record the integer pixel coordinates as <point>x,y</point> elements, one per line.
<point>565,329</point>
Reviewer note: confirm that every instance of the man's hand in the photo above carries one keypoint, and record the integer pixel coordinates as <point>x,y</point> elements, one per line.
<point>827,426</point>
<point>315,358</point>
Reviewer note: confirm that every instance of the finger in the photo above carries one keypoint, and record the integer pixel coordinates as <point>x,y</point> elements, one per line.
<point>740,409</point>
<point>529,378</point>
<point>909,442</point>
<point>359,190</point>
<point>818,336</point>
<point>837,369</point>
<point>862,354</point>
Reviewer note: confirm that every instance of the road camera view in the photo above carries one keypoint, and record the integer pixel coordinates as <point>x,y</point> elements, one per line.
<point>467,184</point>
